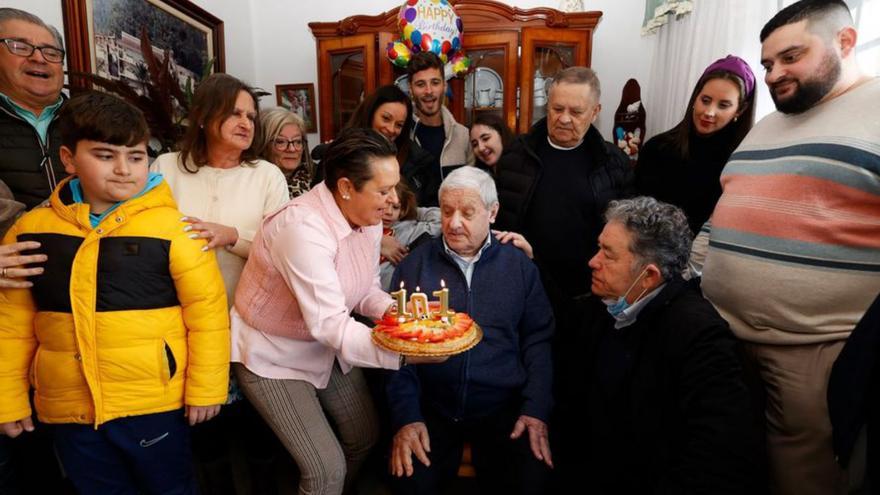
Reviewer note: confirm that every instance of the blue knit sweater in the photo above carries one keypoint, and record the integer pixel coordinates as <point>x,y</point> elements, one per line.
<point>510,366</point>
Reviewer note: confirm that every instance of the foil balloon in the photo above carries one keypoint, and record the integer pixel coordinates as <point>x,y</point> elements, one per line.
<point>430,26</point>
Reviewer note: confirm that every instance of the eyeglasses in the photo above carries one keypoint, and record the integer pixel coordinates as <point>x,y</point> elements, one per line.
<point>25,49</point>
<point>281,144</point>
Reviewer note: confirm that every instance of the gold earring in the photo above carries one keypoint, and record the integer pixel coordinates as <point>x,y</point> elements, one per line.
<point>346,197</point>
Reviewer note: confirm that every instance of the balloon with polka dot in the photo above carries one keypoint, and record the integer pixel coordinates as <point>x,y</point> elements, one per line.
<point>429,26</point>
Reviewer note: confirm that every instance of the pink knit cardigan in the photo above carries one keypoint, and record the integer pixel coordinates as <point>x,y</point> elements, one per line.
<point>263,297</point>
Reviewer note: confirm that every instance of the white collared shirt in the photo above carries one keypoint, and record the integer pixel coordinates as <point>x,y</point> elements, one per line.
<point>466,265</point>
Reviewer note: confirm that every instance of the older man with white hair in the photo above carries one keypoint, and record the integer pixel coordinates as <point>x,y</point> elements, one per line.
<point>31,77</point>
<point>554,183</point>
<point>498,394</point>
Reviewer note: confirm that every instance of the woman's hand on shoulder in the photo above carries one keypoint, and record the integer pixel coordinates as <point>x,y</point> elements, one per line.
<point>216,234</point>
<point>516,239</point>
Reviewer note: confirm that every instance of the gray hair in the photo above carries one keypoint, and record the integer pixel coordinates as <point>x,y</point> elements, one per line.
<point>272,121</point>
<point>578,75</point>
<point>660,233</point>
<point>468,177</point>
<point>10,14</point>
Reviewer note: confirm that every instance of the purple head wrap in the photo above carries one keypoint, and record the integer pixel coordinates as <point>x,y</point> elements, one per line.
<point>736,66</point>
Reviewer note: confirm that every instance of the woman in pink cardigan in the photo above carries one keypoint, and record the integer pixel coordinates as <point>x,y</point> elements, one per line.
<point>295,348</point>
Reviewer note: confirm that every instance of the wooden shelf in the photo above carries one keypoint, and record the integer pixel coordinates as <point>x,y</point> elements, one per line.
<point>517,35</point>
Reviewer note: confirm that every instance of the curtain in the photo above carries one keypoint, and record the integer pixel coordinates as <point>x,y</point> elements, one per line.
<point>683,49</point>
<point>658,12</point>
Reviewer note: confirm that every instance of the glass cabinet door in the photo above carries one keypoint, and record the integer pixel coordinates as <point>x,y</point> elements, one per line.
<point>349,66</point>
<point>348,85</point>
<point>545,52</point>
<point>490,85</point>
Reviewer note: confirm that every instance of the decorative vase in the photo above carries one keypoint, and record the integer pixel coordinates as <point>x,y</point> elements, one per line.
<point>484,97</point>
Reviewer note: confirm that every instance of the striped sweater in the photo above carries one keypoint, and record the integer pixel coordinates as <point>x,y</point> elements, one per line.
<point>793,253</point>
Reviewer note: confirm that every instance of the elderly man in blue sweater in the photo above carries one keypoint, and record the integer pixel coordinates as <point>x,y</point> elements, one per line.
<point>497,396</point>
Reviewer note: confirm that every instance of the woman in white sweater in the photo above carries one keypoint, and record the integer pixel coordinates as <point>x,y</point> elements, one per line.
<point>218,181</point>
<point>224,190</point>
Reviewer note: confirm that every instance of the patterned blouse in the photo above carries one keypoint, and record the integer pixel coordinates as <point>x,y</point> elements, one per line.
<point>298,182</point>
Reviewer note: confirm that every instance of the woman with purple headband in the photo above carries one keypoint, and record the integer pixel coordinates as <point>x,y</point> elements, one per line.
<point>683,165</point>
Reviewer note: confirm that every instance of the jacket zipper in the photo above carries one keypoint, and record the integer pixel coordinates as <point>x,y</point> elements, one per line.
<point>447,138</point>
<point>465,372</point>
<point>46,162</point>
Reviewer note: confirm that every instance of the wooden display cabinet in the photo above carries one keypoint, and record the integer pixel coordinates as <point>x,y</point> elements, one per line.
<point>513,52</point>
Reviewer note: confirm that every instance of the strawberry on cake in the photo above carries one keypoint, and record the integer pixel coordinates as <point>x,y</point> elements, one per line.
<point>427,335</point>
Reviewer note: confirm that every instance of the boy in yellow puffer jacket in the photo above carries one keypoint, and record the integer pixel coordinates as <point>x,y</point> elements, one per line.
<point>125,334</point>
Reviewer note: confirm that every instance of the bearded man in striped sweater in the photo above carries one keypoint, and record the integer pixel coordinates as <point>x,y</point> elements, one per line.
<point>792,256</point>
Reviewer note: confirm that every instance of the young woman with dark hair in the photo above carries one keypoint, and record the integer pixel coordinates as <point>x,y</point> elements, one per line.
<point>682,166</point>
<point>388,111</point>
<point>489,137</point>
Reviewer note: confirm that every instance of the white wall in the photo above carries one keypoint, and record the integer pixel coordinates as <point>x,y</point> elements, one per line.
<point>238,30</point>
<point>268,42</point>
<point>48,11</point>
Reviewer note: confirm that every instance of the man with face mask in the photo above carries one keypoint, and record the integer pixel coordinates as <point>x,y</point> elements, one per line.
<point>667,408</point>
<point>792,256</point>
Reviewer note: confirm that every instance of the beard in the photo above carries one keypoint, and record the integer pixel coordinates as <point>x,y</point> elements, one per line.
<point>809,91</point>
<point>421,108</point>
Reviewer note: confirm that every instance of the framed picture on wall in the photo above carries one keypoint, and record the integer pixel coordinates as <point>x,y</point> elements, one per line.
<point>103,38</point>
<point>299,99</point>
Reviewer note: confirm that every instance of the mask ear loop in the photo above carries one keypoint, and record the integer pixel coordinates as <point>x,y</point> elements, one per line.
<point>633,284</point>
<point>640,295</point>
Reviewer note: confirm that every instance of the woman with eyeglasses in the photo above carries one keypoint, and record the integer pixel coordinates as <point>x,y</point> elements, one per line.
<point>284,144</point>
<point>224,189</point>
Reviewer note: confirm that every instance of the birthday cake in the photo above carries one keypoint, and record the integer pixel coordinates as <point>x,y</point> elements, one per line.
<point>429,333</point>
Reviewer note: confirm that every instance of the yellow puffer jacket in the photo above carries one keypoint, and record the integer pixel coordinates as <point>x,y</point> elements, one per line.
<point>128,318</point>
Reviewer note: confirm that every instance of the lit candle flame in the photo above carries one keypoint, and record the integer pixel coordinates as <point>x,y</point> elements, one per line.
<point>443,295</point>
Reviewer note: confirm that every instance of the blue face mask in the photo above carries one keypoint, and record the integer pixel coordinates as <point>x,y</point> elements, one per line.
<point>616,307</point>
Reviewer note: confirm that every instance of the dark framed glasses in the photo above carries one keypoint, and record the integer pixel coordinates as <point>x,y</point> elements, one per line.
<point>25,49</point>
<point>282,144</point>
